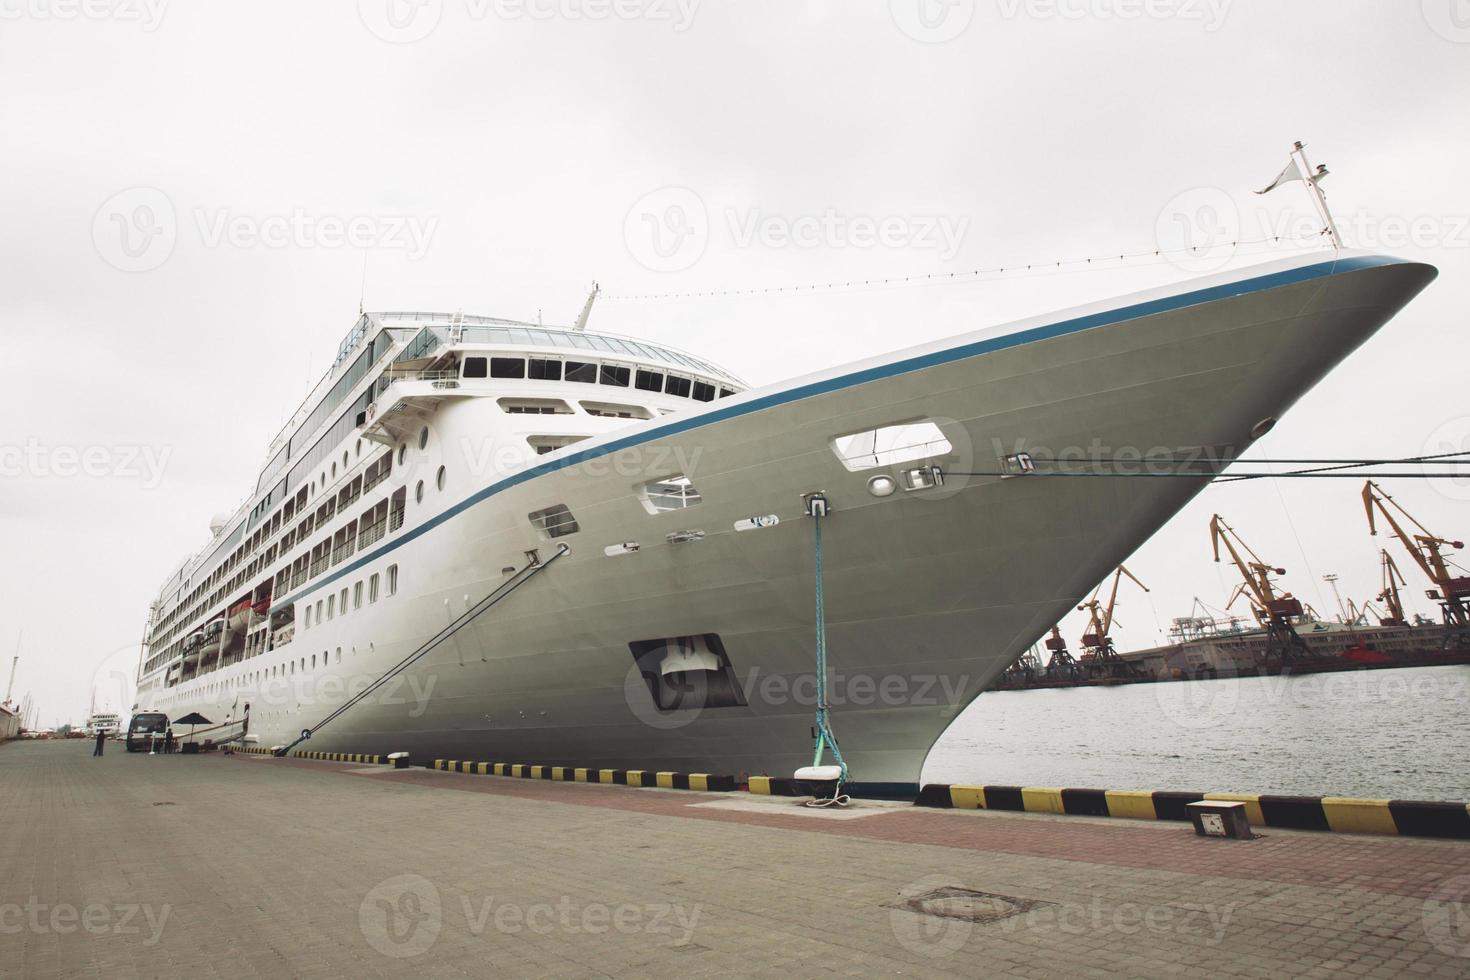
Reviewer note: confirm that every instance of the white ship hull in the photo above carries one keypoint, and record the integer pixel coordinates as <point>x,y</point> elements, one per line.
<point>929,594</point>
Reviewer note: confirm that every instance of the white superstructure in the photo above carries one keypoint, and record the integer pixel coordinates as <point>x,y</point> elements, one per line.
<point>446,455</point>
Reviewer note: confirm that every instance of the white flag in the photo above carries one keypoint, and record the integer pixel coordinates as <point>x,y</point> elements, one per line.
<point>1292,172</point>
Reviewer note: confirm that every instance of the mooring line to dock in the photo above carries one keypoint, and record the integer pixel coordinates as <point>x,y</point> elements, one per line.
<point>521,577</point>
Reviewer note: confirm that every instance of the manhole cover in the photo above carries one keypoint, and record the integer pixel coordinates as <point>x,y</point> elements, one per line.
<point>967,905</point>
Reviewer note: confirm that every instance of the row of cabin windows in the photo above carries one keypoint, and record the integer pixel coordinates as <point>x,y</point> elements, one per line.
<point>319,613</point>
<point>591,372</point>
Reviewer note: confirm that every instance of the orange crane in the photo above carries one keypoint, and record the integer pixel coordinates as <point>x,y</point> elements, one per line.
<point>1097,640</point>
<point>1274,611</point>
<point>1392,579</point>
<point>1451,591</point>
<point>1061,663</point>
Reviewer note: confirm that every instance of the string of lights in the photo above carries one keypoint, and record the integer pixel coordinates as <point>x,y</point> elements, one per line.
<point>966,276</point>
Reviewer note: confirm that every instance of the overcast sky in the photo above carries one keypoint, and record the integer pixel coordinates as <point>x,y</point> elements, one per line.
<point>189,192</point>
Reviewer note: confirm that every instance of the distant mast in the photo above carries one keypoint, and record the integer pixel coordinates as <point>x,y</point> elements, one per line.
<point>581,323</point>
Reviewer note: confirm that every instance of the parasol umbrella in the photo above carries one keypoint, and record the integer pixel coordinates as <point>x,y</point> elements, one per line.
<point>191,719</point>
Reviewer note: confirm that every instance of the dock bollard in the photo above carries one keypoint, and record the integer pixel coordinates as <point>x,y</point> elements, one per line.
<point>399,759</point>
<point>1220,818</point>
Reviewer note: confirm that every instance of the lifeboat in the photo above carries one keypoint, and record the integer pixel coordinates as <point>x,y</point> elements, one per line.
<point>240,614</point>
<point>213,634</point>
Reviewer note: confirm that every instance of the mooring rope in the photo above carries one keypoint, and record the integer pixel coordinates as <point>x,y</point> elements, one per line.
<point>826,738</point>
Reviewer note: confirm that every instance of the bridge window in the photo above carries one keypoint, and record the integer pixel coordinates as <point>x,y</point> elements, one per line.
<point>677,386</point>
<point>648,380</point>
<point>581,372</point>
<point>616,375</point>
<point>475,367</point>
<point>507,367</point>
<point>704,391</point>
<point>544,369</point>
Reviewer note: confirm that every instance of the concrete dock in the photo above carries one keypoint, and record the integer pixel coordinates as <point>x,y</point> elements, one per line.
<point>244,866</point>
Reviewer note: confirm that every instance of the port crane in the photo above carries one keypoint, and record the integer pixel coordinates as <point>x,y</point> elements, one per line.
<point>1451,591</point>
<point>1392,579</point>
<point>1274,610</point>
<point>1061,663</point>
<point>1025,670</point>
<point>1099,655</point>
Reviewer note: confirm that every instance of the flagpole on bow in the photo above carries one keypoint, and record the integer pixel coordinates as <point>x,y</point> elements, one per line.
<point>1313,180</point>
<point>1300,169</point>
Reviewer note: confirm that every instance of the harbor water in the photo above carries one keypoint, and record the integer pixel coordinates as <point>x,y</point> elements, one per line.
<point>1396,734</point>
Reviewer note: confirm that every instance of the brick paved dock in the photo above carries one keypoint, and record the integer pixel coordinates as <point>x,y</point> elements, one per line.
<point>247,866</point>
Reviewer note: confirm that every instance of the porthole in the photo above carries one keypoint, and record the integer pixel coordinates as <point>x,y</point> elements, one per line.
<point>402,451</point>
<point>439,480</point>
<point>334,471</point>
<point>418,493</point>
<point>424,437</point>
<point>344,459</point>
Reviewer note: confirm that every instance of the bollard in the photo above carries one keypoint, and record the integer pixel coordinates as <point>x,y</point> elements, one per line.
<point>399,759</point>
<point>1220,818</point>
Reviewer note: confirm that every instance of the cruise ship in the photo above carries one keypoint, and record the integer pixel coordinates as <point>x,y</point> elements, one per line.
<point>572,548</point>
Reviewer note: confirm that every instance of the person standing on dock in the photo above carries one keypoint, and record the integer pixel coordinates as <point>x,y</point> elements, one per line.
<point>168,742</point>
<point>101,739</point>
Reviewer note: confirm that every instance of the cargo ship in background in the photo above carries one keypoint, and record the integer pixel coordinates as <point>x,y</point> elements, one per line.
<point>572,548</point>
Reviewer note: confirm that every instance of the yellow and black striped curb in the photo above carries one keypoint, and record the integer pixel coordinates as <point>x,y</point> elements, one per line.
<point>702,781</point>
<point>774,786</point>
<point>372,760</point>
<point>1410,818</point>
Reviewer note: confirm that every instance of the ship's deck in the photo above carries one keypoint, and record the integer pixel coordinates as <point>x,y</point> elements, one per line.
<point>208,866</point>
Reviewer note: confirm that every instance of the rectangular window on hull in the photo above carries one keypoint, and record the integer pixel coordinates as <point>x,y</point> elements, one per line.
<point>554,522</point>
<point>373,588</point>
<point>671,493</point>
<point>890,444</point>
<point>392,579</point>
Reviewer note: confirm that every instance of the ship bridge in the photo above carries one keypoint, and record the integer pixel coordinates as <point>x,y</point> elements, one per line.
<point>453,356</point>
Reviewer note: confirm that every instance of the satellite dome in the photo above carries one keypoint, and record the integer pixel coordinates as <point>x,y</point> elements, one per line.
<point>217,522</point>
